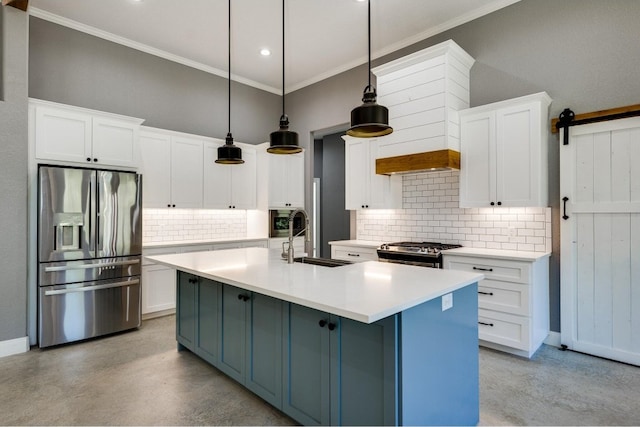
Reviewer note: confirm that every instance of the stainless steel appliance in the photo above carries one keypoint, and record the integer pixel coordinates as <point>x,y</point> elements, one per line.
<point>89,253</point>
<point>426,254</point>
<point>279,223</point>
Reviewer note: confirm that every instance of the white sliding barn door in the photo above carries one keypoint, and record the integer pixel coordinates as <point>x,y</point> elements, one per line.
<point>600,241</point>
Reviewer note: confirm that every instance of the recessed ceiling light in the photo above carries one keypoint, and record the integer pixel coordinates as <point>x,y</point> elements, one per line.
<point>265,52</point>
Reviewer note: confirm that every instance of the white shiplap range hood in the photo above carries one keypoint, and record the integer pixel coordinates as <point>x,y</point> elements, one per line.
<point>424,92</point>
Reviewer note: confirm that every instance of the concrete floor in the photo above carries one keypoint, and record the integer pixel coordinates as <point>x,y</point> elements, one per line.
<point>138,378</point>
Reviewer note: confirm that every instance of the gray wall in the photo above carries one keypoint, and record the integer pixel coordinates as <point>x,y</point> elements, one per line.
<point>13,175</point>
<point>74,68</point>
<point>584,53</point>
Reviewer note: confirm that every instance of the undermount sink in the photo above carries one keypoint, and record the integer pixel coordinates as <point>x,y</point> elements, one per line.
<point>325,262</point>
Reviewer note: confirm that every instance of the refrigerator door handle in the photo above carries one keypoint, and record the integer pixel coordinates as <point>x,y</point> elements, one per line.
<point>88,266</point>
<point>92,288</point>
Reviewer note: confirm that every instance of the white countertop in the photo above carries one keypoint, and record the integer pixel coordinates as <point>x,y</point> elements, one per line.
<point>497,253</point>
<point>199,242</point>
<point>365,291</point>
<point>360,243</point>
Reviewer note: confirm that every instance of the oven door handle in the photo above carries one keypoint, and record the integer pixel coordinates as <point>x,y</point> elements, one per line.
<point>92,288</point>
<point>88,266</point>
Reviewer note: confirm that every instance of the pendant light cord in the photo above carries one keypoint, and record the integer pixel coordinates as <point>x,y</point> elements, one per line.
<point>229,80</point>
<point>369,37</point>
<point>283,92</point>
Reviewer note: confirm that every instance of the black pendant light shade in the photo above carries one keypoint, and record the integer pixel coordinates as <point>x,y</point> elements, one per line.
<point>229,154</point>
<point>369,120</point>
<point>283,141</point>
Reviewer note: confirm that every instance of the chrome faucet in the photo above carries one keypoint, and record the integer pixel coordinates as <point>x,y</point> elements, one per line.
<point>305,230</point>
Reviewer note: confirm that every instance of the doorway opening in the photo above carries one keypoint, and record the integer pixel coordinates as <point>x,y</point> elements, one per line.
<point>331,219</point>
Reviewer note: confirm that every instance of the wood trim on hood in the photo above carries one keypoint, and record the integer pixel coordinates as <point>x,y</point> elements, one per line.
<point>19,4</point>
<point>420,162</point>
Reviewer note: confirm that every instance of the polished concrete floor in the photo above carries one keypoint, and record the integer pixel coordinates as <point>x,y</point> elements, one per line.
<point>138,378</point>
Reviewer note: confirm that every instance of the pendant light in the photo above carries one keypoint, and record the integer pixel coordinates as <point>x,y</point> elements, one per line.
<point>229,154</point>
<point>283,141</point>
<point>369,119</point>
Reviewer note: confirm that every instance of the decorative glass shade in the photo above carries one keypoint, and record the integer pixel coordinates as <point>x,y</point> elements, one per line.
<point>284,141</point>
<point>229,154</point>
<point>369,119</point>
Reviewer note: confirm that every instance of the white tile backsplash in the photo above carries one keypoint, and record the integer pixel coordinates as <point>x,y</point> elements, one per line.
<point>431,213</point>
<point>166,225</point>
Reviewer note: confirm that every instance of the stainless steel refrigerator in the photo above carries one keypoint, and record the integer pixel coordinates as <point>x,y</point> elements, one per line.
<point>89,253</point>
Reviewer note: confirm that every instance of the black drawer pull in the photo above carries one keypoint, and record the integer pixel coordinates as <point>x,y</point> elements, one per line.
<point>485,324</point>
<point>485,293</point>
<point>483,269</point>
<point>353,254</point>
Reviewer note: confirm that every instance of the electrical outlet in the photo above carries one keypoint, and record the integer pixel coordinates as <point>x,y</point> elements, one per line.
<point>447,301</point>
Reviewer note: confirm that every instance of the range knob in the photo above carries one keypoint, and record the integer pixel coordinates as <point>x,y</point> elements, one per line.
<point>384,246</point>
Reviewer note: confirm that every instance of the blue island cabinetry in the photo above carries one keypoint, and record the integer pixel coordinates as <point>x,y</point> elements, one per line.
<point>417,367</point>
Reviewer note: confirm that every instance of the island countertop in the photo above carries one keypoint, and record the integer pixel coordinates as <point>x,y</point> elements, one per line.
<point>365,292</point>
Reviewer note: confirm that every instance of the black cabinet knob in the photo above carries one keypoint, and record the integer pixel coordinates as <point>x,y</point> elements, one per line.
<point>243,297</point>
<point>492,203</point>
<point>95,160</point>
<point>366,206</point>
<point>332,326</point>
<point>88,159</point>
<point>499,203</point>
<point>229,206</point>
<point>169,205</point>
<point>322,323</point>
<point>173,206</point>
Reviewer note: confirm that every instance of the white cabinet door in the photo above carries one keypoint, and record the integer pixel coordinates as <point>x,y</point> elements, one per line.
<point>243,181</point>
<point>115,142</point>
<point>286,180</point>
<point>357,171</point>
<point>217,179</point>
<point>186,172</point>
<point>379,186</point>
<point>158,288</point>
<point>155,149</point>
<point>478,168</point>
<point>63,135</point>
<point>518,155</point>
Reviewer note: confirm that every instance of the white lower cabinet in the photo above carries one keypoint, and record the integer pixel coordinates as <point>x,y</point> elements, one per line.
<point>159,281</point>
<point>513,300</point>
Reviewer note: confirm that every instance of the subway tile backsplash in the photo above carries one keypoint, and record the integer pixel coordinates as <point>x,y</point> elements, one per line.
<point>166,225</point>
<point>431,213</point>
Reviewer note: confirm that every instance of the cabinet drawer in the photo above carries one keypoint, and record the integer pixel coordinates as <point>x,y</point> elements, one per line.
<point>350,253</point>
<point>505,329</point>
<point>494,269</point>
<point>504,296</point>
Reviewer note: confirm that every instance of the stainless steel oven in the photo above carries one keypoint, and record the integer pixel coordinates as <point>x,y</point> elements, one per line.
<point>424,254</point>
<point>279,223</point>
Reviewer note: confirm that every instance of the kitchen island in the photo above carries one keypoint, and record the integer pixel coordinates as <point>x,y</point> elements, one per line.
<point>368,343</point>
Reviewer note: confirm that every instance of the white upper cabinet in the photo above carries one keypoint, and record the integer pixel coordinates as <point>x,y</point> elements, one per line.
<point>70,134</point>
<point>229,186</point>
<point>423,92</point>
<point>172,169</point>
<point>363,188</point>
<point>286,180</point>
<point>504,153</point>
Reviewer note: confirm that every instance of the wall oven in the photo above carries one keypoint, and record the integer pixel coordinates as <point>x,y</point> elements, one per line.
<point>279,223</point>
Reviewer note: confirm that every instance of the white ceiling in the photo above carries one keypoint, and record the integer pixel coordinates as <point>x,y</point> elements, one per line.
<point>323,37</point>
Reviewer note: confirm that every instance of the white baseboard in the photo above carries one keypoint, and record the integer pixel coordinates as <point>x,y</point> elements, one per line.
<point>14,346</point>
<point>553,339</point>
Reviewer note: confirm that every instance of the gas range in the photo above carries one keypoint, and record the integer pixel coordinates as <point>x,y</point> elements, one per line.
<point>426,254</point>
